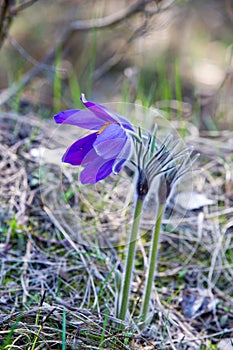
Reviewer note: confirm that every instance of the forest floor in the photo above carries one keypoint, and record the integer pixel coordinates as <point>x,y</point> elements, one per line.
<point>61,245</point>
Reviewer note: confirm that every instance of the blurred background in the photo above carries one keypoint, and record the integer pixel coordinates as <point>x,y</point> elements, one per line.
<point>172,54</point>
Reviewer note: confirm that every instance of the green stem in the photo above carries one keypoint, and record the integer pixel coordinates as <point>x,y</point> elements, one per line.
<point>125,287</point>
<point>152,264</point>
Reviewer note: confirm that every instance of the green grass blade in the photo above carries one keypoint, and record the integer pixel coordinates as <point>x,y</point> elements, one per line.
<point>57,85</point>
<point>64,329</point>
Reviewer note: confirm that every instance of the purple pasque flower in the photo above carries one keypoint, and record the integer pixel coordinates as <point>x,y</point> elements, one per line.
<point>102,152</point>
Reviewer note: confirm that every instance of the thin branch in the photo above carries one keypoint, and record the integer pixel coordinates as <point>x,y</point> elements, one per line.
<point>112,19</point>
<point>5,20</point>
<point>7,13</point>
<point>15,10</point>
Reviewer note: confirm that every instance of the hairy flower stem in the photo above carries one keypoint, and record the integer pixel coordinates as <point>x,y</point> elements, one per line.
<point>152,264</point>
<point>130,257</point>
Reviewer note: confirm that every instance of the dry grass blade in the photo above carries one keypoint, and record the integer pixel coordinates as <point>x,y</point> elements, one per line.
<point>47,268</point>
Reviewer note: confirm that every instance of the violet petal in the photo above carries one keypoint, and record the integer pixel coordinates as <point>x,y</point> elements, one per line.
<point>122,157</point>
<point>82,118</point>
<point>98,110</point>
<point>117,166</point>
<point>106,113</point>
<point>96,171</point>
<point>79,149</point>
<point>110,141</point>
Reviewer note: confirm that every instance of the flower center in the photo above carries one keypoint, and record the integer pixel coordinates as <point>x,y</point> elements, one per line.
<point>103,128</point>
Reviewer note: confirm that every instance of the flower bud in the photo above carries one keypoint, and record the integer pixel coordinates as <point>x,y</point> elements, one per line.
<point>142,186</point>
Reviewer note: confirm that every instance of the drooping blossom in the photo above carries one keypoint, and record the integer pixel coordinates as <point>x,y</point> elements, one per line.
<point>102,152</point>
